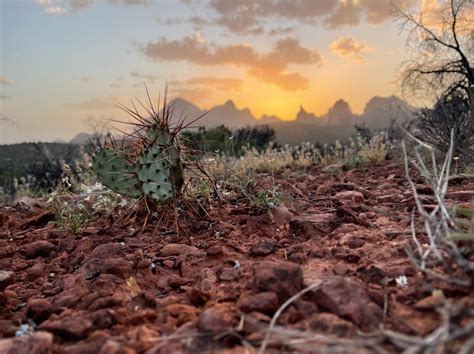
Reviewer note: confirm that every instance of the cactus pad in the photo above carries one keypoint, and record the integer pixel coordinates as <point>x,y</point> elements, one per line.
<point>116,172</point>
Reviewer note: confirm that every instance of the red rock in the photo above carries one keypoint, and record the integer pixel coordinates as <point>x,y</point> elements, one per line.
<point>390,198</point>
<point>107,250</point>
<point>6,279</point>
<point>229,274</point>
<point>208,280</point>
<point>280,215</point>
<point>38,249</point>
<point>6,251</point>
<point>38,309</point>
<point>176,281</point>
<point>352,196</point>
<point>348,299</point>
<point>313,224</point>
<point>263,249</point>
<point>283,278</point>
<point>36,343</point>
<point>466,195</point>
<point>215,250</point>
<point>114,347</point>
<point>355,242</point>
<point>175,249</point>
<point>104,318</point>
<point>430,303</point>
<point>216,319</point>
<point>38,270</point>
<point>297,257</point>
<point>265,302</point>
<point>68,328</point>
<point>331,324</point>
<point>90,230</point>
<point>183,313</point>
<point>317,252</point>
<point>117,266</point>
<point>340,268</point>
<point>8,327</point>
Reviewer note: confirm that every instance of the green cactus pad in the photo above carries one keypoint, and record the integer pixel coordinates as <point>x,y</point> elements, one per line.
<point>159,169</point>
<point>116,173</point>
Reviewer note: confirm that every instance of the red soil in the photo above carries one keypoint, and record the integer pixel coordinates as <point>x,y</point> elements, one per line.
<point>112,289</point>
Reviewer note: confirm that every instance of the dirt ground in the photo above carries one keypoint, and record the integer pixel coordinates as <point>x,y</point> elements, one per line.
<point>215,288</point>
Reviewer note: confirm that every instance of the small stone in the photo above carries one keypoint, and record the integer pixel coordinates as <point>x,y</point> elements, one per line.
<point>297,257</point>
<point>38,342</point>
<point>38,249</point>
<point>390,198</point>
<point>68,328</point>
<point>229,274</point>
<point>340,269</point>
<point>331,324</point>
<point>215,250</point>
<point>216,319</point>
<point>465,195</point>
<point>355,242</point>
<point>311,225</point>
<point>183,313</point>
<point>169,263</point>
<point>175,249</point>
<point>107,250</point>
<point>265,302</point>
<point>38,270</point>
<point>348,299</point>
<point>6,279</point>
<point>352,196</point>
<point>39,309</point>
<point>281,215</point>
<point>283,278</point>
<point>263,249</point>
<point>316,252</point>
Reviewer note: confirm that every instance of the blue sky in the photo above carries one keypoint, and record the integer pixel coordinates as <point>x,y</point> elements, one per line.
<point>63,61</point>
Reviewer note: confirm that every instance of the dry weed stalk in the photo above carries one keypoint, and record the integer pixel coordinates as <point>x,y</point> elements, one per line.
<point>439,223</point>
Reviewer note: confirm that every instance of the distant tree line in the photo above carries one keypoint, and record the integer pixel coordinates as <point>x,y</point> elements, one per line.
<point>222,139</point>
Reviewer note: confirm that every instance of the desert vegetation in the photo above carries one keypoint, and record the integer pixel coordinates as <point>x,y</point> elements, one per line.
<point>168,237</point>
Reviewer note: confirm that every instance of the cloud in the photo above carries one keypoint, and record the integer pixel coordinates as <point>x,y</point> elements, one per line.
<point>350,48</point>
<point>281,30</point>
<point>347,13</point>
<point>55,10</point>
<point>249,16</point>
<point>63,7</point>
<point>80,4</point>
<point>93,104</point>
<point>148,78</point>
<point>86,79</point>
<point>203,82</point>
<point>4,81</point>
<point>268,67</point>
<point>130,2</point>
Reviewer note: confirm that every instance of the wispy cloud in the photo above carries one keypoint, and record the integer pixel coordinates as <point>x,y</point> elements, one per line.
<point>94,104</point>
<point>208,82</point>
<point>350,48</point>
<point>249,16</point>
<point>5,81</point>
<point>271,67</point>
<point>63,7</point>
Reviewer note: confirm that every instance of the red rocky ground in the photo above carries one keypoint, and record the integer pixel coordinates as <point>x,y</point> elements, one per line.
<point>113,290</point>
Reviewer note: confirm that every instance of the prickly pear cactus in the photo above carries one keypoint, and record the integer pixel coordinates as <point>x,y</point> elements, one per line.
<point>157,173</point>
<point>116,172</point>
<point>159,167</point>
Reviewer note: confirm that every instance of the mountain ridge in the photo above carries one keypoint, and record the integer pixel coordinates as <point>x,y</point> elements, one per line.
<point>337,123</point>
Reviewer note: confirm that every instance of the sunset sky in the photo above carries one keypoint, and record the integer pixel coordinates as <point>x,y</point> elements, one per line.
<point>63,61</point>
